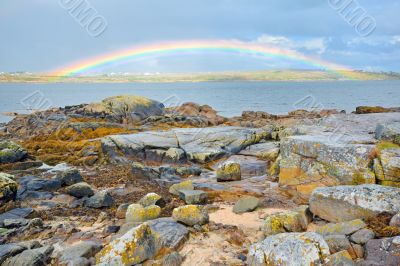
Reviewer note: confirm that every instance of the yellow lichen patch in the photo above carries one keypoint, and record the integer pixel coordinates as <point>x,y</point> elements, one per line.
<point>191,215</point>
<point>360,178</point>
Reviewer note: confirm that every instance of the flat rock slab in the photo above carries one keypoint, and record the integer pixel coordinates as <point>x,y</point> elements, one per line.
<point>199,145</point>
<point>15,214</point>
<point>346,203</point>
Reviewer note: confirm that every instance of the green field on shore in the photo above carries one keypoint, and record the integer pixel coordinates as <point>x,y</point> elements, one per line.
<point>267,75</point>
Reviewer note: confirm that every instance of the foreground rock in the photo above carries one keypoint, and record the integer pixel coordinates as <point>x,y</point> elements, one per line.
<point>11,152</point>
<point>289,249</point>
<point>134,247</point>
<point>80,190</point>
<point>389,132</point>
<point>346,203</point>
<point>198,145</point>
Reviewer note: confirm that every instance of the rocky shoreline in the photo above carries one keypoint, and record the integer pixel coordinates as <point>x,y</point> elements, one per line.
<point>127,181</point>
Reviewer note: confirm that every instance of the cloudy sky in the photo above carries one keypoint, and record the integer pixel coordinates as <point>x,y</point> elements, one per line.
<point>42,35</point>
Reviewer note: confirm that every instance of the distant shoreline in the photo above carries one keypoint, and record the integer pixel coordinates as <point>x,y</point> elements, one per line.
<point>254,76</point>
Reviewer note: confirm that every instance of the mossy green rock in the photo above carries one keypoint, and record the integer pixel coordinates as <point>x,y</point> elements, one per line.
<point>185,185</point>
<point>137,213</point>
<point>8,187</point>
<point>191,215</point>
<point>229,171</point>
<point>344,228</point>
<point>11,152</point>
<point>281,222</point>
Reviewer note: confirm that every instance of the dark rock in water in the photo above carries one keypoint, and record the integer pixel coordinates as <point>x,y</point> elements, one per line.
<point>170,234</point>
<point>11,152</point>
<point>80,190</point>
<point>31,257</point>
<point>69,177</point>
<point>246,204</point>
<point>382,252</point>
<point>100,199</point>
<point>375,109</point>
<point>15,214</point>
<point>9,250</point>
<point>8,187</point>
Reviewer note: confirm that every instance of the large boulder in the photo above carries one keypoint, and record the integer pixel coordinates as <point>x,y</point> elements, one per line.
<point>311,161</point>
<point>127,108</point>
<point>201,145</point>
<point>11,152</point>
<point>295,249</point>
<point>8,187</point>
<point>346,203</point>
<point>134,247</point>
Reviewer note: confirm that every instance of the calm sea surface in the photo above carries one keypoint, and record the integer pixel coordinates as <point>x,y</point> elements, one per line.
<point>229,98</point>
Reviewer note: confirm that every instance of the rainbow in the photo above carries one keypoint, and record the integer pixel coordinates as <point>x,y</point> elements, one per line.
<point>229,46</point>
